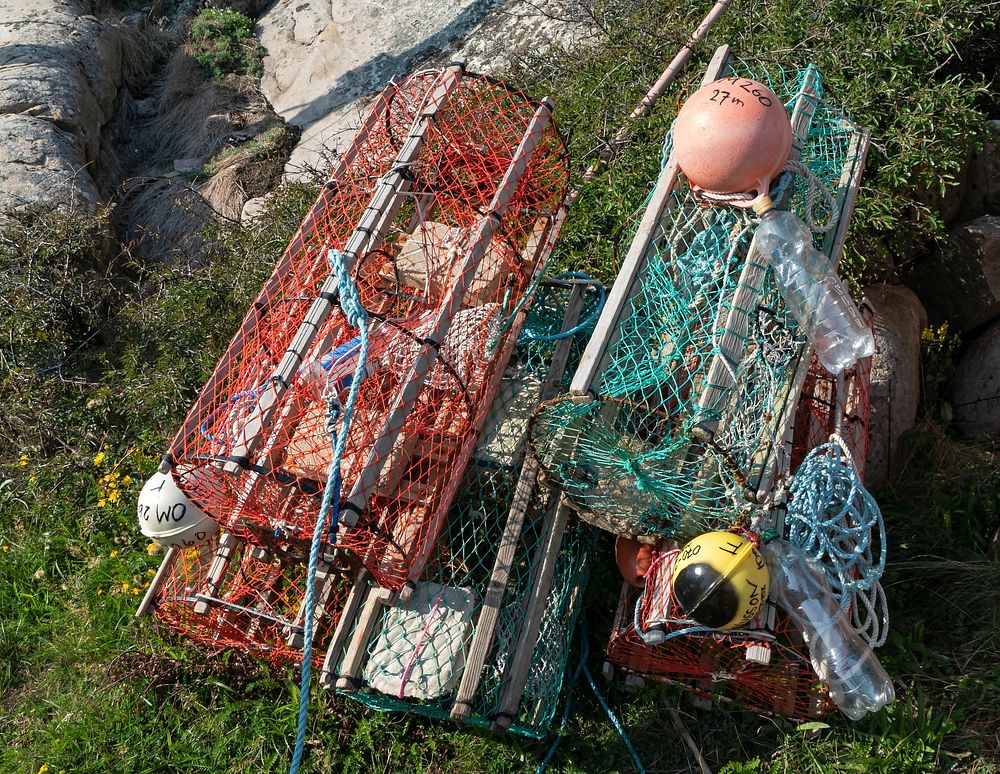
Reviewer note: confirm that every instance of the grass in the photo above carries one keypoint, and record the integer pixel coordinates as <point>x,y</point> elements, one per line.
<point>101,354</point>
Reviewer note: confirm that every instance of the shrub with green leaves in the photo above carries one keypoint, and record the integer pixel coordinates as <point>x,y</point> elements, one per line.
<point>223,43</point>
<point>916,73</point>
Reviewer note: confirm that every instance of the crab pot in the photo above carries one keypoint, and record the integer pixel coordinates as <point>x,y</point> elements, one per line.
<point>829,405</point>
<point>763,669</point>
<point>446,651</point>
<point>442,212</point>
<point>256,605</point>
<point>700,360</point>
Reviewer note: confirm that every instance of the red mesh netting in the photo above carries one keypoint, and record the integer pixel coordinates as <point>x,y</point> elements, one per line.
<point>255,606</point>
<point>445,208</point>
<point>717,665</point>
<point>821,411</point>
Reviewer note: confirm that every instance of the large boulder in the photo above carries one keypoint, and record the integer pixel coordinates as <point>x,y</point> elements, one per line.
<point>961,282</point>
<point>325,60</point>
<point>976,393</point>
<point>981,193</point>
<point>895,376</point>
<point>59,80</point>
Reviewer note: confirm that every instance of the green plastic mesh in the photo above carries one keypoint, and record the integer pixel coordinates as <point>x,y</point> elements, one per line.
<point>700,373</point>
<point>416,651</point>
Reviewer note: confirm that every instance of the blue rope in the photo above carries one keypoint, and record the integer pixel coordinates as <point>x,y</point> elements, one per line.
<point>356,316</point>
<point>581,668</point>
<point>832,517</point>
<point>657,636</point>
<point>594,314</point>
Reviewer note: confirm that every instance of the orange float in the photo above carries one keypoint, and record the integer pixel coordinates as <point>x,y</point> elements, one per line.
<point>732,136</point>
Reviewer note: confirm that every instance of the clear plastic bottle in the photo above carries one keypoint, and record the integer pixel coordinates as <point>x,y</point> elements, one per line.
<point>335,371</point>
<point>813,292</point>
<point>858,683</point>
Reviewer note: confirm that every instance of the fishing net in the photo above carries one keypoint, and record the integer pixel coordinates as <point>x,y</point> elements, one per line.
<point>416,654</point>
<point>688,426</point>
<point>443,212</point>
<point>762,668</point>
<point>255,605</point>
<point>824,408</point>
<point>701,376</point>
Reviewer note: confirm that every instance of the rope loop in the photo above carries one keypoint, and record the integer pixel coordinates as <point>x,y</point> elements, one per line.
<point>832,517</point>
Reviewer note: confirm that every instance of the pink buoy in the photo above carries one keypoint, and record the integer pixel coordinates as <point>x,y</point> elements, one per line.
<point>732,136</point>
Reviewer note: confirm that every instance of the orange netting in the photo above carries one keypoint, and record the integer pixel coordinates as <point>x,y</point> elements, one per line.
<point>764,668</point>
<point>256,605</point>
<point>445,208</point>
<point>823,410</point>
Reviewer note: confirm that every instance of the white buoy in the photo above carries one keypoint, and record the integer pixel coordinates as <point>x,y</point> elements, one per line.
<point>167,516</point>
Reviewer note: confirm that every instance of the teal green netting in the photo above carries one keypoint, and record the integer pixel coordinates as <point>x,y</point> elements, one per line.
<point>415,658</point>
<point>700,372</point>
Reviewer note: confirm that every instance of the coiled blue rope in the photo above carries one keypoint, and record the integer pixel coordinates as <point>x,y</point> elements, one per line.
<point>832,517</point>
<point>356,316</point>
<point>581,668</point>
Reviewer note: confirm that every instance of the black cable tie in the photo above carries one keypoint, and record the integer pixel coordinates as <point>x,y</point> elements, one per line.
<point>242,460</point>
<point>404,171</point>
<point>330,296</point>
<point>350,506</point>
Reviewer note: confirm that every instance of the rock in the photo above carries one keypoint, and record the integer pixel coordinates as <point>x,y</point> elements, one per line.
<point>895,376</point>
<point>253,209</point>
<point>59,76</point>
<point>40,167</point>
<point>189,165</point>
<point>325,61</point>
<point>976,394</point>
<point>961,282</point>
<point>981,195</point>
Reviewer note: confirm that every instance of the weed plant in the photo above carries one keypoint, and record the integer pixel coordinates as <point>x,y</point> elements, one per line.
<point>223,43</point>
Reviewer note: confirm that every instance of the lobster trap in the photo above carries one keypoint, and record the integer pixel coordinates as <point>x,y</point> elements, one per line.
<point>448,648</point>
<point>680,418</point>
<point>441,213</point>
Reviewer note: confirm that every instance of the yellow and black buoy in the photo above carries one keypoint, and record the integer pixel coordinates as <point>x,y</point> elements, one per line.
<point>720,580</point>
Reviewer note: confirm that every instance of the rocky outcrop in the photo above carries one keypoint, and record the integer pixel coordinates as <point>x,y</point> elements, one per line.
<point>895,376</point>
<point>60,72</point>
<point>981,193</point>
<point>976,394</point>
<point>324,61</point>
<point>961,283</point>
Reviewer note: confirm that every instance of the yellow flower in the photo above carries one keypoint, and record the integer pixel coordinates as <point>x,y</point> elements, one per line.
<point>32,479</point>
<point>136,591</point>
<point>22,461</point>
<point>125,586</point>
<point>127,480</point>
<point>99,458</point>
<point>100,592</point>
<point>101,503</point>
<point>150,572</point>
<point>152,548</point>
<point>5,548</point>
<point>43,768</point>
<point>114,496</point>
<point>114,554</point>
